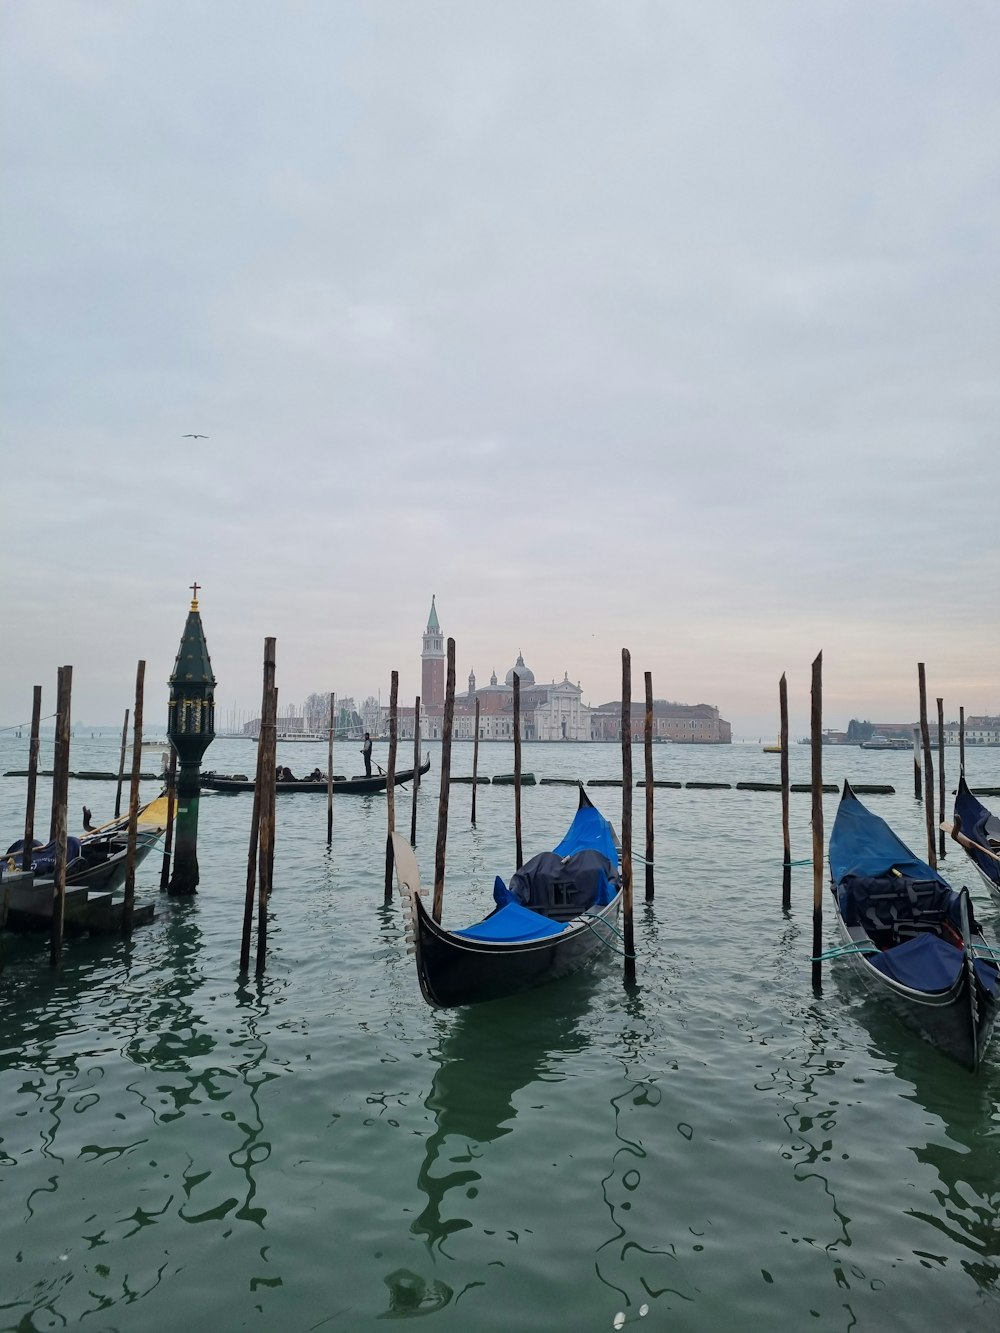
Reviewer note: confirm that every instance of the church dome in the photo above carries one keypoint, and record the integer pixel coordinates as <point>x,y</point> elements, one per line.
<point>524,674</point>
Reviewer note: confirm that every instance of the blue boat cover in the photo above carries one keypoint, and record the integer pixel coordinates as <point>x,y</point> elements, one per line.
<point>929,963</point>
<point>589,830</point>
<point>925,963</point>
<point>974,818</point>
<point>863,844</point>
<point>43,859</point>
<point>512,924</point>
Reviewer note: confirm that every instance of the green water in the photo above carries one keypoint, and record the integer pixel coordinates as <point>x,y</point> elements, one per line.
<point>320,1150</point>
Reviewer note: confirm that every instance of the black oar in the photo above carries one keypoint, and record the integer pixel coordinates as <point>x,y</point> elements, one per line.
<point>385,775</point>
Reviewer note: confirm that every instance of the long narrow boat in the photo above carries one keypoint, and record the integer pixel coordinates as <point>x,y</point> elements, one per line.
<point>560,908</point>
<point>227,782</point>
<point>97,860</point>
<point>912,938</point>
<point>977,830</point>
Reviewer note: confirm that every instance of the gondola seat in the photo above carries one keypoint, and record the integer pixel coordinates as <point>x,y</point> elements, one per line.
<point>894,908</point>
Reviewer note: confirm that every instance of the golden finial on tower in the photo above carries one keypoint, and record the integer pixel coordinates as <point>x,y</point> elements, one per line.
<point>194,600</point>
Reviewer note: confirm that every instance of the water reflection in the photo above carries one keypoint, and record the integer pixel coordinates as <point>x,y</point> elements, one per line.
<point>485,1056</point>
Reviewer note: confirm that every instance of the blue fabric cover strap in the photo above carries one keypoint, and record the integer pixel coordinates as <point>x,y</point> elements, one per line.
<point>512,924</point>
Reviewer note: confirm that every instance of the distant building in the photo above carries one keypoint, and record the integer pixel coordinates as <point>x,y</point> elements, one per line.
<point>684,724</point>
<point>549,712</point>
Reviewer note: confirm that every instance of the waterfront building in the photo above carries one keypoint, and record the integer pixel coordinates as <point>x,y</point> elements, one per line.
<point>684,724</point>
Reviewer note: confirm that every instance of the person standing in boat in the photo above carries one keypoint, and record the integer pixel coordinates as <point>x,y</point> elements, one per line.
<point>366,750</point>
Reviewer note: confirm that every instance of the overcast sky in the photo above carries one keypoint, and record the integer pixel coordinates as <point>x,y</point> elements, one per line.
<point>668,326</point>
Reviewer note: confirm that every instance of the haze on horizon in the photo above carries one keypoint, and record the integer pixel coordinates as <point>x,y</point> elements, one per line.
<point>640,325</point>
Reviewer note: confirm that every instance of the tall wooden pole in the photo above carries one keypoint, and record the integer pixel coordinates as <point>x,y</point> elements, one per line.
<point>442,828</point>
<point>390,781</point>
<point>917,782</point>
<point>265,853</point>
<point>786,840</point>
<point>627,923</point>
<point>168,840</point>
<point>928,766</point>
<point>258,789</point>
<point>29,808</point>
<point>648,749</point>
<point>475,761</point>
<point>961,738</point>
<point>519,855</point>
<point>940,819</point>
<point>818,856</point>
<point>60,795</point>
<point>416,771</point>
<point>128,905</point>
<point>121,768</point>
<point>329,777</point>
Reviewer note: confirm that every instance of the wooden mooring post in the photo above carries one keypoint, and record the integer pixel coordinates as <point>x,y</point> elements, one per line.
<point>940,740</point>
<point>128,906</point>
<point>647,736</point>
<point>917,783</point>
<point>416,771</point>
<point>442,828</point>
<point>519,861</point>
<point>329,775</point>
<point>168,837</point>
<point>60,796</point>
<point>627,922</point>
<point>121,768</point>
<point>390,782</point>
<point>475,761</point>
<point>268,810</point>
<point>818,853</point>
<point>928,768</point>
<point>29,807</point>
<point>961,738</point>
<point>255,814</point>
<point>786,840</point>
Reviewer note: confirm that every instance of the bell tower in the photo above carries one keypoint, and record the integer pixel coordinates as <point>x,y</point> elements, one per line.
<point>432,664</point>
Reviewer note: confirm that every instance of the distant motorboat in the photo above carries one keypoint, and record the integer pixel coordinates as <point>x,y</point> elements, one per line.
<point>886,743</point>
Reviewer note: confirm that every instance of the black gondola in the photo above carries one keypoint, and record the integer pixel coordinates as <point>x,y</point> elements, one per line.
<point>977,830</point>
<point>560,908</point>
<point>912,938</point>
<point>98,858</point>
<point>226,782</point>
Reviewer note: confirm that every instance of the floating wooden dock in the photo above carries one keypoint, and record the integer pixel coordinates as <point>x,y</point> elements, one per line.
<point>507,780</point>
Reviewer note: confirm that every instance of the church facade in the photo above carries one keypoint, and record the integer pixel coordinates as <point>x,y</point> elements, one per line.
<point>552,712</point>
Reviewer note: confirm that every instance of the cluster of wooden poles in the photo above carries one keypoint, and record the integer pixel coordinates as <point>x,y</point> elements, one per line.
<point>934,852</point>
<point>59,821</point>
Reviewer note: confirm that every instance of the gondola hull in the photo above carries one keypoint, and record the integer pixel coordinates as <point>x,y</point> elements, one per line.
<point>958,1021</point>
<point>341,786</point>
<point>891,905</point>
<point>453,970</point>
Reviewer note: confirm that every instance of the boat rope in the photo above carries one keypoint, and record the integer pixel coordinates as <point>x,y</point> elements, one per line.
<point>840,950</point>
<point>19,726</point>
<point>807,861</point>
<point>589,918</point>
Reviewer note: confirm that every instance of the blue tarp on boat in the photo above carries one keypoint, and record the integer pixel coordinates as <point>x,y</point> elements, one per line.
<point>863,844</point>
<point>591,831</point>
<point>925,963</point>
<point>513,924</point>
<point>977,823</point>
<point>928,963</point>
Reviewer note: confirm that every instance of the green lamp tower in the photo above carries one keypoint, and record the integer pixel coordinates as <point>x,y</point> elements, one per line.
<point>191,728</point>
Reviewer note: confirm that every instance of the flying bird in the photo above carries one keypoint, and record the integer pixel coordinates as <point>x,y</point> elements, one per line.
<point>194,437</point>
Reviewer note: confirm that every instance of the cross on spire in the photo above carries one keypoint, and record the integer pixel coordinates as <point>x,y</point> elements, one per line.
<point>194,600</point>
